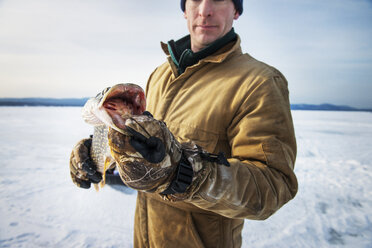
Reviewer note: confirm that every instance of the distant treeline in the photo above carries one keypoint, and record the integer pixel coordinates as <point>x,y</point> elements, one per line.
<point>64,102</point>
<point>79,102</point>
<point>325,106</point>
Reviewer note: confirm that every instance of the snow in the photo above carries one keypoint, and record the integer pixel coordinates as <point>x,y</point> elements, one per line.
<point>40,206</point>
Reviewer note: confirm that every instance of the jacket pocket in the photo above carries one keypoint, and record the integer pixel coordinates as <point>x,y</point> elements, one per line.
<point>194,232</point>
<point>237,235</point>
<point>171,227</point>
<point>208,227</point>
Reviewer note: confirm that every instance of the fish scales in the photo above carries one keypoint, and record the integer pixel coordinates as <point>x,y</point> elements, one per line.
<point>100,150</point>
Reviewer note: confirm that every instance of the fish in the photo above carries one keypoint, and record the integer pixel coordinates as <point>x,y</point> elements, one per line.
<point>109,109</point>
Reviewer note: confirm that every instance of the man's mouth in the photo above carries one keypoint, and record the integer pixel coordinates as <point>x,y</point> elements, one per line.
<point>203,26</point>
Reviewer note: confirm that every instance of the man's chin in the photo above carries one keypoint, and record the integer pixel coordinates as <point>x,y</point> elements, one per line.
<point>204,40</point>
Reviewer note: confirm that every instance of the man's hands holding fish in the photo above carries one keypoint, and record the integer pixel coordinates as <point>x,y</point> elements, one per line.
<point>148,158</point>
<point>147,155</point>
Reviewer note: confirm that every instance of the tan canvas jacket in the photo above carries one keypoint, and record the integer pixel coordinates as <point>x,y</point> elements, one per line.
<point>232,103</point>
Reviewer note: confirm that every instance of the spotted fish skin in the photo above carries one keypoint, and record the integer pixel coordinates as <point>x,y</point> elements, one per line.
<point>110,108</point>
<point>100,151</point>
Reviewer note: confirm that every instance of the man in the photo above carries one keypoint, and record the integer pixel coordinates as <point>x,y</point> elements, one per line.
<point>213,99</point>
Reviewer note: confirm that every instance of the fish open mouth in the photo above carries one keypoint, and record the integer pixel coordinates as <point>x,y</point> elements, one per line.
<point>123,101</point>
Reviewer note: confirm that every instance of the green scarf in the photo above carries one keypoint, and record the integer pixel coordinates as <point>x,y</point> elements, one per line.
<point>183,57</point>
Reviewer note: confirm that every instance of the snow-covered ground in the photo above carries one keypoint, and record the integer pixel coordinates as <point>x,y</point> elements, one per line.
<point>40,207</point>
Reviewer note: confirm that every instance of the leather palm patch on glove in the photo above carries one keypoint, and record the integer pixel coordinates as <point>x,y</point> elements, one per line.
<point>146,153</point>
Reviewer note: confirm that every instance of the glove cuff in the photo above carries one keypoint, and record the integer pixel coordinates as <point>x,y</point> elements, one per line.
<point>192,170</point>
<point>182,179</point>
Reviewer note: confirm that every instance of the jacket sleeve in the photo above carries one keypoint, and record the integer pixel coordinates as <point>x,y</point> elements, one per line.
<point>260,178</point>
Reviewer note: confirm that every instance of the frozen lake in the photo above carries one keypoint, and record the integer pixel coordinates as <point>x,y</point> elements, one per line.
<point>40,207</point>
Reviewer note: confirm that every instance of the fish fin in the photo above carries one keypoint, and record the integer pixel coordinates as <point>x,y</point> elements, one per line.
<point>105,167</point>
<point>96,187</point>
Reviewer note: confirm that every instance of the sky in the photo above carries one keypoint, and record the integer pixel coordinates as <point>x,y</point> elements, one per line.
<point>75,48</point>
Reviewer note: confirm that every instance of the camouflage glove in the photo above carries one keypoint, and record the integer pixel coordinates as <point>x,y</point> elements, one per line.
<point>150,159</point>
<point>82,169</point>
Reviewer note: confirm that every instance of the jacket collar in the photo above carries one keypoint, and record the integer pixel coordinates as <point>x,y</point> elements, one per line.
<point>216,53</point>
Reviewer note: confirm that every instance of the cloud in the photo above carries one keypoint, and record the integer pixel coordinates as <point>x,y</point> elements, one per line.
<point>323,47</point>
<point>71,48</point>
<point>76,47</point>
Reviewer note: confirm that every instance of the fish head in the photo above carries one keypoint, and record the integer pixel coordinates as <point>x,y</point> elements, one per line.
<point>114,105</point>
<point>122,101</point>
